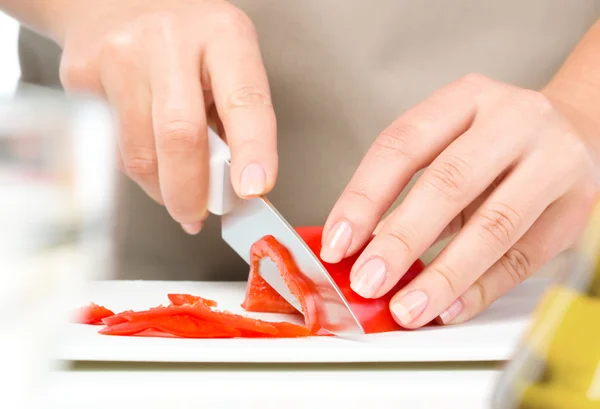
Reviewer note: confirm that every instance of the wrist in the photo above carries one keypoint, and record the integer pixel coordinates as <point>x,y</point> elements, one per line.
<point>580,105</point>
<point>577,93</point>
<point>575,89</point>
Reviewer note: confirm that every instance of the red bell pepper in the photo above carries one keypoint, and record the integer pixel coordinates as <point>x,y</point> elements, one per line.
<point>373,314</point>
<point>192,316</point>
<point>300,286</point>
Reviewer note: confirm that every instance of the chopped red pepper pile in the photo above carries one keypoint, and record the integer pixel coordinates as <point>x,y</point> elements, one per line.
<point>191,316</point>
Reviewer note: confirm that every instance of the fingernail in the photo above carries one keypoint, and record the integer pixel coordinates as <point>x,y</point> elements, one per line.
<point>253,180</point>
<point>337,242</point>
<point>192,228</point>
<point>450,314</point>
<point>409,306</point>
<point>369,278</point>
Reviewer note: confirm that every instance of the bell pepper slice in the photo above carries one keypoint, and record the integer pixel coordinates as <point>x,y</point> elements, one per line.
<point>289,330</point>
<point>299,285</point>
<point>188,299</point>
<point>198,311</point>
<point>188,327</point>
<point>373,314</point>
<point>116,318</point>
<point>284,330</point>
<point>182,326</point>
<point>260,297</point>
<point>126,328</point>
<point>92,314</point>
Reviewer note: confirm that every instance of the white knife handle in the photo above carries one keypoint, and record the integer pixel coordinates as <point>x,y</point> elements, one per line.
<point>221,196</point>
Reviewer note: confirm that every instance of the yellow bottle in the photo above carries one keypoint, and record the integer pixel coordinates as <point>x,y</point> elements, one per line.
<point>558,362</point>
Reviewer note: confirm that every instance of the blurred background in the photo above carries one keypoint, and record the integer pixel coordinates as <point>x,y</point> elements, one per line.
<point>9,64</point>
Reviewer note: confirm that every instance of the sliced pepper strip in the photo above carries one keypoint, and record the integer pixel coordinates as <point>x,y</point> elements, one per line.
<point>189,327</point>
<point>116,319</point>
<point>261,297</point>
<point>198,311</point>
<point>188,299</point>
<point>289,330</point>
<point>299,285</point>
<point>92,314</point>
<point>182,326</point>
<point>126,328</point>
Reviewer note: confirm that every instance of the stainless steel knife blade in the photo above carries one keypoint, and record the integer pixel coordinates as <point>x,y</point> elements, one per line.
<point>251,220</point>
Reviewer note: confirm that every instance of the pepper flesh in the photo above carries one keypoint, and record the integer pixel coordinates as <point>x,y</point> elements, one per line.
<point>299,285</point>
<point>183,326</point>
<point>198,311</point>
<point>188,299</point>
<point>373,314</point>
<point>92,314</point>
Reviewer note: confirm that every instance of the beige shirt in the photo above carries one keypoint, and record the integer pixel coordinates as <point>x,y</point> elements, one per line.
<point>341,71</point>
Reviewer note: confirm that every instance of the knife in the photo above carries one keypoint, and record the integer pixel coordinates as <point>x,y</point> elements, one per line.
<point>245,221</point>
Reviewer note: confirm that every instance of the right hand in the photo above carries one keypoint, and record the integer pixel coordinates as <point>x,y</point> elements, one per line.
<point>165,66</point>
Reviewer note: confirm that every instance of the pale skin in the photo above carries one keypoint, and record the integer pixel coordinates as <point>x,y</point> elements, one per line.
<point>169,68</point>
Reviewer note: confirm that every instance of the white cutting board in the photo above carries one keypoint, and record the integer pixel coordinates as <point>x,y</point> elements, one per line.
<point>492,336</point>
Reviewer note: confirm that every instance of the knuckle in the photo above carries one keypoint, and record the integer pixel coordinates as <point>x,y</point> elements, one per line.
<point>166,19</point>
<point>401,236</point>
<point>533,102</point>
<point>160,22</point>
<point>358,195</point>
<point>354,201</point>
<point>448,277</point>
<point>577,149</point>
<point>139,166</point>
<point>398,140</point>
<point>576,156</point>
<point>499,222</point>
<point>177,136</point>
<point>473,81</point>
<point>118,46</point>
<point>248,96</point>
<point>456,224</point>
<point>481,296</point>
<point>517,265</point>
<point>162,27</point>
<point>449,175</point>
<point>233,20</point>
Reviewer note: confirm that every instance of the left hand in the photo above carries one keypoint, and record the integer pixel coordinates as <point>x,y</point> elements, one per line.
<point>508,171</point>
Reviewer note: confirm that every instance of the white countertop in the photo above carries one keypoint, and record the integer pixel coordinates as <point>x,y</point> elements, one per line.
<point>439,386</point>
